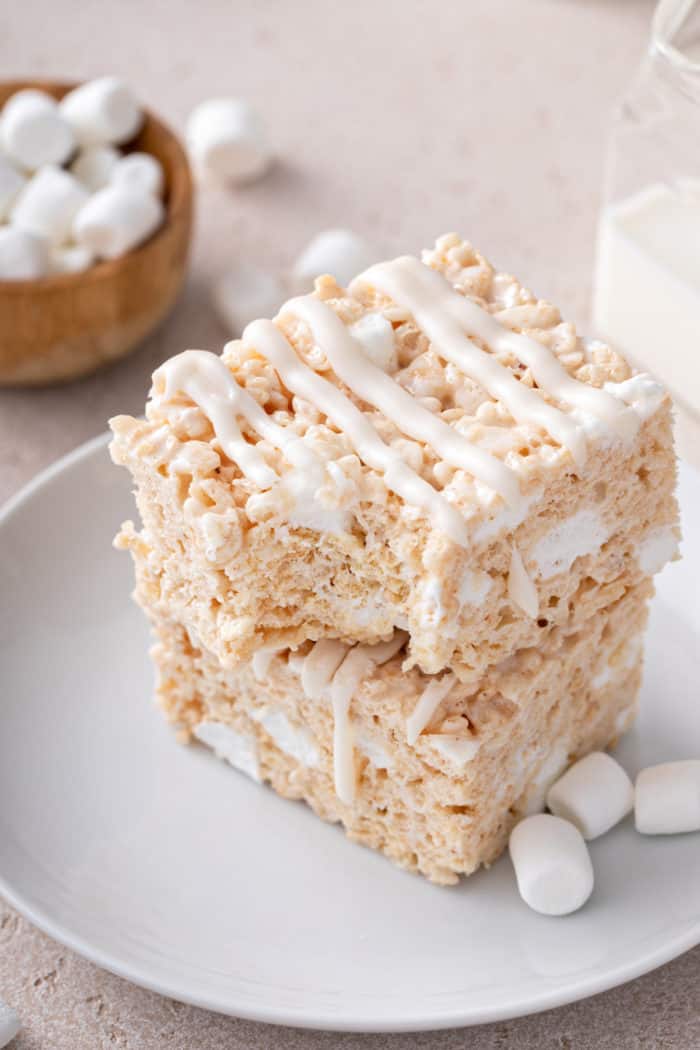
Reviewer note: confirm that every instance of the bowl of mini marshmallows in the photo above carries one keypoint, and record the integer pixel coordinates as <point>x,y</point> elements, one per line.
<point>95,225</point>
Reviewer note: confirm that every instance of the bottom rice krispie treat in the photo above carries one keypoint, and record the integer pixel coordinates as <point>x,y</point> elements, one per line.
<point>429,770</point>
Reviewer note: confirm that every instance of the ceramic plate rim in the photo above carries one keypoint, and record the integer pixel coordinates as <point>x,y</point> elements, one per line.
<point>452,1018</point>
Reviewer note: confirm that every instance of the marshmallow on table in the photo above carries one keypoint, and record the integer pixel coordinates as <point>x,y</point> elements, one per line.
<point>102,111</point>
<point>552,865</point>
<point>11,182</point>
<point>23,255</point>
<point>243,294</point>
<point>49,203</point>
<point>340,253</point>
<point>226,139</point>
<point>34,132</point>
<point>94,166</point>
<point>594,794</point>
<point>141,171</point>
<point>9,1024</point>
<point>667,798</point>
<point>70,258</point>
<point>116,219</point>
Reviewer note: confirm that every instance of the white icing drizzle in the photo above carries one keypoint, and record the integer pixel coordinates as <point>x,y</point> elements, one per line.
<point>267,339</point>
<point>374,386</point>
<point>445,315</point>
<point>521,589</point>
<point>428,703</point>
<point>206,380</point>
<point>319,666</point>
<point>357,664</point>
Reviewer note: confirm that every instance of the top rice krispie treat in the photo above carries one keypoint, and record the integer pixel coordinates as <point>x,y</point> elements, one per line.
<point>432,449</point>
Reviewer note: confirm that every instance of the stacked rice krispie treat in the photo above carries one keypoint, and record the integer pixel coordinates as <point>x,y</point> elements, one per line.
<point>397,549</point>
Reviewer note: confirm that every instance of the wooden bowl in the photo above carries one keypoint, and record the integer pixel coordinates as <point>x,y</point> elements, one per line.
<point>55,328</point>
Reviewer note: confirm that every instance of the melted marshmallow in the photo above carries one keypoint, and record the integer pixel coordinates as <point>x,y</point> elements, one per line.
<point>457,750</point>
<point>238,749</point>
<point>428,703</point>
<point>261,663</point>
<point>659,547</point>
<point>521,589</point>
<point>267,339</point>
<point>299,743</point>
<point>583,533</point>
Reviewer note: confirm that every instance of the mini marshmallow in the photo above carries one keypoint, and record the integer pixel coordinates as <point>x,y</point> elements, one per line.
<point>117,219</point>
<point>667,798</point>
<point>552,865</point>
<point>375,335</point>
<point>141,171</point>
<point>71,258</point>
<point>243,294</point>
<point>23,255</point>
<point>49,203</point>
<point>340,253</point>
<point>594,794</point>
<point>102,112</point>
<point>227,140</point>
<point>11,183</point>
<point>94,166</point>
<point>9,1024</point>
<point>34,132</point>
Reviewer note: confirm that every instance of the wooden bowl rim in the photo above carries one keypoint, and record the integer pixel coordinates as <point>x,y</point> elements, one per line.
<point>180,194</point>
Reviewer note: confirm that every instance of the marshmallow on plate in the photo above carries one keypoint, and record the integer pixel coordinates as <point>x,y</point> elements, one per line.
<point>116,219</point>
<point>34,132</point>
<point>23,255</point>
<point>552,865</point>
<point>11,182</point>
<point>141,171</point>
<point>70,258</point>
<point>245,293</point>
<point>9,1024</point>
<point>667,798</point>
<point>94,166</point>
<point>102,111</point>
<point>340,253</point>
<point>49,203</point>
<point>226,139</point>
<point>594,794</point>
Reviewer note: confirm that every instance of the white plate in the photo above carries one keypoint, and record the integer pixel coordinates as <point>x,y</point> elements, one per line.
<point>167,867</point>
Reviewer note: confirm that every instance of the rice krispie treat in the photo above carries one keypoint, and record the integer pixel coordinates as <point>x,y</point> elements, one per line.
<point>430,771</point>
<point>432,450</point>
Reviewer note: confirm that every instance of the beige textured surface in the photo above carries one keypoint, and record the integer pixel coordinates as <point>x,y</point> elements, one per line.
<point>491,118</point>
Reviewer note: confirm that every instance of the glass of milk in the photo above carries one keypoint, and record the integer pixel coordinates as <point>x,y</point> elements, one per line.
<point>647,280</point>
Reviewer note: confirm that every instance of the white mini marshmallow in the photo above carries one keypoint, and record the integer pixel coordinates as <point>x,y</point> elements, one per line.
<point>102,111</point>
<point>667,798</point>
<point>11,183</point>
<point>49,203</point>
<point>594,794</point>
<point>552,865</point>
<point>34,132</point>
<point>117,219</point>
<point>245,293</point>
<point>141,171</point>
<point>71,258</point>
<point>23,255</point>
<point>227,140</point>
<point>375,335</point>
<point>94,166</point>
<point>340,253</point>
<point>9,1024</point>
